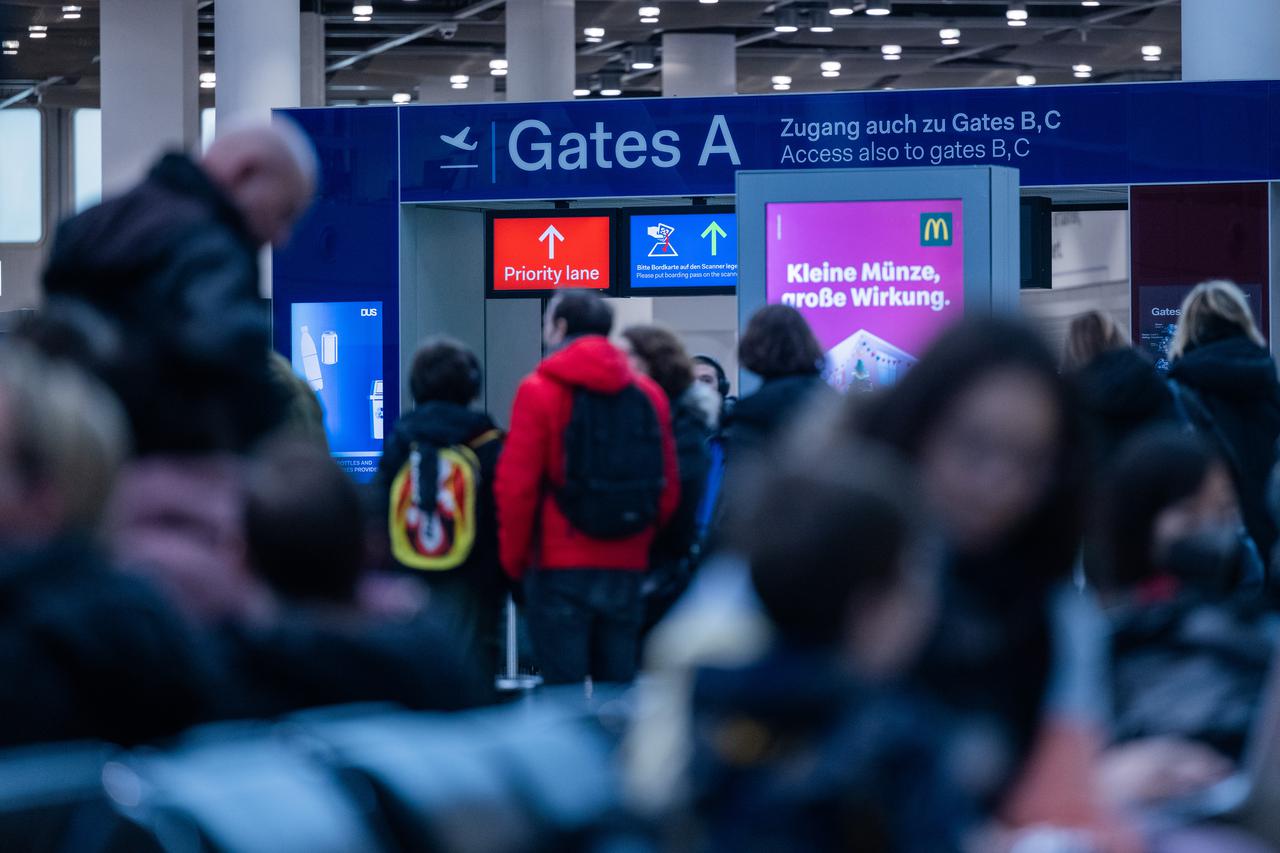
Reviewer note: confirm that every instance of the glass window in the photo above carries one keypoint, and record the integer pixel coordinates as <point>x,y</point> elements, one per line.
<point>208,126</point>
<point>86,153</point>
<point>21,187</point>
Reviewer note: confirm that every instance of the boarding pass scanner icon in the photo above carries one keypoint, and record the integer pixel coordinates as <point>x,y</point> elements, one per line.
<point>459,140</point>
<point>660,231</point>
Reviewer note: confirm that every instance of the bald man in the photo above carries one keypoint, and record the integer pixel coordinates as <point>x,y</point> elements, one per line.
<point>173,263</point>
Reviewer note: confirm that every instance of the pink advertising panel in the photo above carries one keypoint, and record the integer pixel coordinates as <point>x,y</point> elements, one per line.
<point>877,280</point>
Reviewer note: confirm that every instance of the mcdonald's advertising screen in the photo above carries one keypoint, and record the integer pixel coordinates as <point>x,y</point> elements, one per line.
<point>877,280</point>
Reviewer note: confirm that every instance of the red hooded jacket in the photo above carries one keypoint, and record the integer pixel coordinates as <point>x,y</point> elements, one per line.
<point>532,465</point>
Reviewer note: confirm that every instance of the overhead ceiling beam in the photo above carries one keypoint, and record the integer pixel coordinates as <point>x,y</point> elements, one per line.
<point>391,44</point>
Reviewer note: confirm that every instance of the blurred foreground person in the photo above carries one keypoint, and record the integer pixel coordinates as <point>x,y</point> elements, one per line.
<point>84,651</point>
<point>657,353</point>
<point>1018,656</point>
<point>174,264</point>
<point>435,497</point>
<point>321,643</point>
<point>1119,389</point>
<point>588,477</point>
<point>812,746</point>
<point>1190,651</point>
<point>1225,385</point>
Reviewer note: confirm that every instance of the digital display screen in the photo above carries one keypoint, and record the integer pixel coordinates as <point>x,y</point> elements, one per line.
<point>337,348</point>
<point>877,280</point>
<point>682,251</point>
<point>529,255</point>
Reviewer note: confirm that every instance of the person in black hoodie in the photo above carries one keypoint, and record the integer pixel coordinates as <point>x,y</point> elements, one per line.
<point>466,599</point>
<point>1119,389</point>
<point>1224,380</point>
<point>780,348</point>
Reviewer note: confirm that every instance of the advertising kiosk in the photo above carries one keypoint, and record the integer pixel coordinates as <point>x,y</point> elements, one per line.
<point>461,219</point>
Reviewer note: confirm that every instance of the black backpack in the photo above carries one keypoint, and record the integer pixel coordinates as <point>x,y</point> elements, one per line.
<point>613,464</point>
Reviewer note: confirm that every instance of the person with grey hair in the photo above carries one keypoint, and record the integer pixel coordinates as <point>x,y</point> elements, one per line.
<point>89,652</point>
<point>173,263</point>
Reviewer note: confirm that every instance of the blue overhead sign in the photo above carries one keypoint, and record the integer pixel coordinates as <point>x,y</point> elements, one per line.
<point>1086,134</point>
<point>682,251</point>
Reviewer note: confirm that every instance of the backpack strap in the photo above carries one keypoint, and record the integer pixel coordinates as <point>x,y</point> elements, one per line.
<point>486,437</point>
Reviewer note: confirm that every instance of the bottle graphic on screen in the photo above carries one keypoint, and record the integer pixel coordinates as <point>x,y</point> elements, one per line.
<point>329,347</point>
<point>310,360</point>
<point>375,409</point>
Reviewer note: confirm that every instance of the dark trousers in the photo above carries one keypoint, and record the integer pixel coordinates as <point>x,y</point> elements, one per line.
<point>585,622</point>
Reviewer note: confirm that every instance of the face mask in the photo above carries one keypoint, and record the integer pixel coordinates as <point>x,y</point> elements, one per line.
<point>1208,560</point>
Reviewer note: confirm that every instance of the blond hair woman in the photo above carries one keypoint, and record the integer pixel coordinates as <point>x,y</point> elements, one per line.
<point>1225,379</point>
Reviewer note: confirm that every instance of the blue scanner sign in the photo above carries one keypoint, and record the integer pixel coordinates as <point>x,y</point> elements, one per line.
<point>678,251</point>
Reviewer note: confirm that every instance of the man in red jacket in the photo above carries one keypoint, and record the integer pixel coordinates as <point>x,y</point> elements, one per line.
<point>583,598</point>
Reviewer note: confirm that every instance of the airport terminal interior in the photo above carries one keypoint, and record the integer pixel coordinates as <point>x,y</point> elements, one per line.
<point>502,426</point>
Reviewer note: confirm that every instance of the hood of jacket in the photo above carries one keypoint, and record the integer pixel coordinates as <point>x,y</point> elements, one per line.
<point>443,424</point>
<point>1123,384</point>
<point>589,362</point>
<point>1233,367</point>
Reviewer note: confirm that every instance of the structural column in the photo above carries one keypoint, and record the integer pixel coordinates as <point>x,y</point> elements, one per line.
<point>257,46</point>
<point>540,50</point>
<point>1230,41</point>
<point>698,64</point>
<point>311,60</point>
<point>149,86</point>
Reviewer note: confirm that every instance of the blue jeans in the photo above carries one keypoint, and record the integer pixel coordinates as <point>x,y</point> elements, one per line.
<point>585,622</point>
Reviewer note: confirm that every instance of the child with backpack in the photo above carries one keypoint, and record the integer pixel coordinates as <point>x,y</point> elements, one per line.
<point>435,485</point>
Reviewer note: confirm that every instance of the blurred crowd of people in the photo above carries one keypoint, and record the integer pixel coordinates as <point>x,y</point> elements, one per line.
<point>1016,602</point>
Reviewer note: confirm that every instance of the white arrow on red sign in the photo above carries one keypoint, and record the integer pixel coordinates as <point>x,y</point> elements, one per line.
<point>550,236</point>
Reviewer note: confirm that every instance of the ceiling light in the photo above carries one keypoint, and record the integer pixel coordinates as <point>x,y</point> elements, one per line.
<point>781,80</point>
<point>581,93</point>
<point>822,28</point>
<point>891,49</point>
<point>72,9</point>
<point>782,87</point>
<point>879,7</point>
<point>1090,3</point>
<point>362,19</point>
<point>1017,11</point>
<point>10,53</point>
<point>38,32</point>
<point>1082,68</point>
<point>611,93</point>
<point>362,9</point>
<point>401,98</point>
<point>830,73</point>
<point>642,58</point>
<point>648,20</point>
<point>70,16</point>
<point>1026,80</point>
<point>208,77</point>
<point>650,11</point>
<point>593,40</point>
<point>642,65</point>
<point>593,32</point>
<point>708,2</point>
<point>830,65</point>
<point>1152,50</point>
<point>495,64</point>
<point>839,8</point>
<point>1083,75</point>
<point>457,85</point>
<point>208,85</point>
<point>949,33</point>
<point>460,78</point>
<point>499,72</point>
<point>785,21</point>
<point>1016,22</point>
<point>950,42</point>
<point>10,45</point>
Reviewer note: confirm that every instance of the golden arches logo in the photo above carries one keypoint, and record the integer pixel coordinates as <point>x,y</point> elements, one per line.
<point>935,229</point>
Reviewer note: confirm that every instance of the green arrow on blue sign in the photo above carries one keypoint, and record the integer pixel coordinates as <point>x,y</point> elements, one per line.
<point>714,230</point>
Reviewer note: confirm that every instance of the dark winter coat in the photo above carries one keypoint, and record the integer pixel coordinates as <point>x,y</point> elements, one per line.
<point>173,265</point>
<point>1120,393</point>
<point>757,419</point>
<point>1235,381</point>
<point>466,600</point>
<point>87,652</point>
